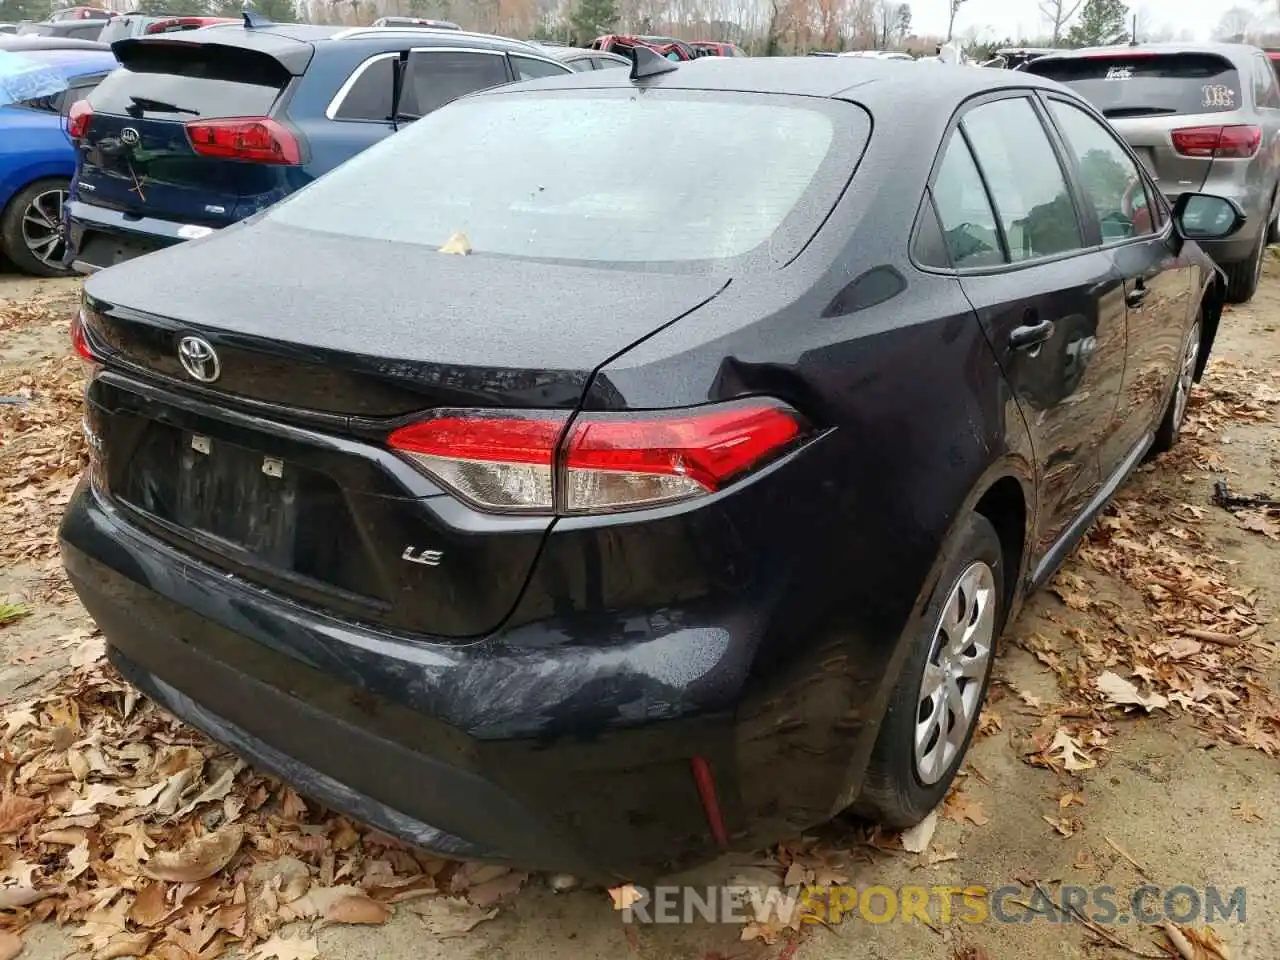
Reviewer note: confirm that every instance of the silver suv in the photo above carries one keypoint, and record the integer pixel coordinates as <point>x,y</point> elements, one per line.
<point>1203,118</point>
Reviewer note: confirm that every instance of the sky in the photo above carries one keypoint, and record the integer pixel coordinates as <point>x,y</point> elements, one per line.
<point>1014,18</point>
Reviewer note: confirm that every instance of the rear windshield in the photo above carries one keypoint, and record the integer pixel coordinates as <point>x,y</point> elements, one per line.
<point>1135,85</point>
<point>731,175</point>
<point>173,81</point>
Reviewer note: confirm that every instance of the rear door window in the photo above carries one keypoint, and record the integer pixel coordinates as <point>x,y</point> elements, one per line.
<point>581,65</point>
<point>605,64</point>
<point>436,77</point>
<point>1140,85</point>
<point>527,68</point>
<point>1266,94</point>
<point>1111,180</point>
<point>163,81</point>
<point>369,98</point>
<point>1026,180</point>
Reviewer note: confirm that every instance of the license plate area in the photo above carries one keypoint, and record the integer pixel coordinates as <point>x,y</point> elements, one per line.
<point>220,490</point>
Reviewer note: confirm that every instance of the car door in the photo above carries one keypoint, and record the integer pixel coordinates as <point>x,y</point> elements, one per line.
<point>1136,230</point>
<point>1266,99</point>
<point>1049,301</point>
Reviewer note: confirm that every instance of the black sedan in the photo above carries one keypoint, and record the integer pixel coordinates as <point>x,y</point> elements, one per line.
<point>592,513</point>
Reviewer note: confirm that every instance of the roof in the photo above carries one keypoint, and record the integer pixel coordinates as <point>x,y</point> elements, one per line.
<point>879,83</point>
<point>67,62</point>
<point>31,41</point>
<point>293,43</point>
<point>1235,52</point>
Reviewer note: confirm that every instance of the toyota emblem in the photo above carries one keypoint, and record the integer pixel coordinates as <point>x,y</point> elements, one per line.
<point>130,137</point>
<point>199,359</point>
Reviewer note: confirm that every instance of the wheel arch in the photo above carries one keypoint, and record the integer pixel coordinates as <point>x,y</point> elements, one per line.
<point>1212,301</point>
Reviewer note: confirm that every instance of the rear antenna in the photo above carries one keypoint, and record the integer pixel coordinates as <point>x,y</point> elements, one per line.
<point>646,63</point>
<point>253,19</point>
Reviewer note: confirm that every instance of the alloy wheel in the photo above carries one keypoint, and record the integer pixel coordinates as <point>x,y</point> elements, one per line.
<point>1186,375</point>
<point>42,227</point>
<point>951,688</point>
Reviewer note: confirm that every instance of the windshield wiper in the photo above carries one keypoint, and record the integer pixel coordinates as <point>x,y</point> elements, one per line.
<point>143,104</point>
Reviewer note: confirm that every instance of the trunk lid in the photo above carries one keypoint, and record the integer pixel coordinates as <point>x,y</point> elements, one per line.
<point>137,154</point>
<point>278,470</point>
<point>1146,96</point>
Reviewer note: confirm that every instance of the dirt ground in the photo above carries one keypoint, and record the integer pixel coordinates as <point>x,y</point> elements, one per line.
<point>1165,799</point>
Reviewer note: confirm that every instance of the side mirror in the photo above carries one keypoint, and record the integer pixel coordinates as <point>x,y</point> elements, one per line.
<point>1202,216</point>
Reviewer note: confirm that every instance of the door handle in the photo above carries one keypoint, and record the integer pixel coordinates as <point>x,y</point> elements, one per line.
<point>1031,334</point>
<point>1135,297</point>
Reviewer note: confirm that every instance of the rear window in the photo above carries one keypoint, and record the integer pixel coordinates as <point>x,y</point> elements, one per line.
<point>1136,85</point>
<point>592,184</point>
<point>160,81</point>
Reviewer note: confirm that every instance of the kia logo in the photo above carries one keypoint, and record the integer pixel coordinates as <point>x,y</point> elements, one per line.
<point>199,359</point>
<point>130,137</point>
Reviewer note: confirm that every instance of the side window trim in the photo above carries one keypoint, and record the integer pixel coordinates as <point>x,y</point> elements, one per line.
<point>1029,93</point>
<point>331,111</point>
<point>986,189</point>
<point>1149,185</point>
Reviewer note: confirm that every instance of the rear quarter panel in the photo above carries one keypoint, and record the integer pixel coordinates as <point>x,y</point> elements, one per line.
<point>32,146</point>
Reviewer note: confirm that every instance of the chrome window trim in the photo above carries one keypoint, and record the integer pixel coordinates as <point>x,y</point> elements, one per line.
<point>331,111</point>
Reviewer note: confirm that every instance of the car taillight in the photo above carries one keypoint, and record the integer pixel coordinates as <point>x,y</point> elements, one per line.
<point>603,463</point>
<point>1236,142</point>
<point>80,342</point>
<point>259,139</point>
<point>78,119</point>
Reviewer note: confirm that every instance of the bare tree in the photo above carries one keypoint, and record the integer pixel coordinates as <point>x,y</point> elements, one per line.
<point>955,8</point>
<point>1236,22</point>
<point>1059,14</point>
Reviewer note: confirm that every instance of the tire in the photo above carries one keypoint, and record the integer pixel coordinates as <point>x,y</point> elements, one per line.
<point>905,778</point>
<point>19,226</point>
<point>1243,277</point>
<point>1175,411</point>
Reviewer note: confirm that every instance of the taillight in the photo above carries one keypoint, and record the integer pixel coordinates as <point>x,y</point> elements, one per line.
<point>605,462</point>
<point>259,139</point>
<point>79,342</point>
<point>78,119</point>
<point>1236,142</point>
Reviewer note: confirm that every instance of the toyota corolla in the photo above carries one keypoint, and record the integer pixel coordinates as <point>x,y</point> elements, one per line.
<point>540,490</point>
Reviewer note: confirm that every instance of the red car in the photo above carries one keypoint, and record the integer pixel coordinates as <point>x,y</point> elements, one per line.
<point>669,47</point>
<point>714,48</point>
<point>81,13</point>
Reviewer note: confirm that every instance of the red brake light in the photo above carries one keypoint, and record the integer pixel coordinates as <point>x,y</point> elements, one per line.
<point>79,342</point>
<point>1237,142</point>
<point>259,139</point>
<point>78,119</point>
<point>606,463</point>
<point>616,463</point>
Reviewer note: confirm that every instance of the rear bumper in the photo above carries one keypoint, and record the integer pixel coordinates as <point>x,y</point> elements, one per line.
<point>416,738</point>
<point>100,237</point>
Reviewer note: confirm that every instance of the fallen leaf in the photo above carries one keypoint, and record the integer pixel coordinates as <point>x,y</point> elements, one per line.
<point>959,806</point>
<point>1068,751</point>
<point>292,806</point>
<point>491,891</point>
<point>125,945</point>
<point>358,909</point>
<point>1259,522</point>
<point>10,945</point>
<point>284,948</point>
<point>1067,826</point>
<point>198,859</point>
<point>89,652</point>
<point>446,917</point>
<point>917,839</point>
<point>938,855</point>
<point>11,898</point>
<point>457,244</point>
<point>1247,812</point>
<point>149,907</point>
<point>17,812</point>
<point>1122,692</point>
<point>19,719</point>
<point>1069,798</point>
<point>624,896</point>
<point>77,860</point>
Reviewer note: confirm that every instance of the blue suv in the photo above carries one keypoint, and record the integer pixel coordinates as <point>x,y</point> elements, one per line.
<point>39,79</point>
<point>201,129</point>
